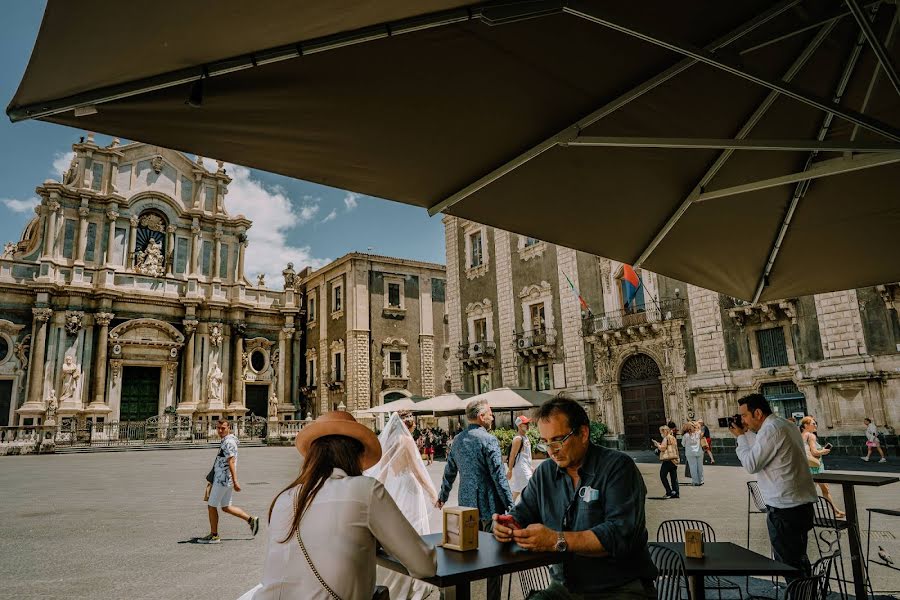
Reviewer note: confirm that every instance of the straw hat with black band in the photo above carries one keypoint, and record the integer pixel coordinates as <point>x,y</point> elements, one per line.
<point>340,422</point>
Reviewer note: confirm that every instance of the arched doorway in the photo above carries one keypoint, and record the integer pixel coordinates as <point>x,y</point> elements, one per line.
<point>643,409</point>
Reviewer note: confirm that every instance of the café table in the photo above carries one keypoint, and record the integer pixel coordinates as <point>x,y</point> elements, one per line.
<point>848,482</point>
<point>725,559</point>
<point>457,570</point>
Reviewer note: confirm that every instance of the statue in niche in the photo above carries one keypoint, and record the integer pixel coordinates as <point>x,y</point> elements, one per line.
<point>245,363</point>
<point>52,407</point>
<point>273,407</point>
<point>289,276</point>
<point>214,380</point>
<point>150,261</point>
<point>71,374</point>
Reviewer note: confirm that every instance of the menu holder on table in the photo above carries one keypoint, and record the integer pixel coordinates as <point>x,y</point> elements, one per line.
<point>693,543</point>
<point>460,528</point>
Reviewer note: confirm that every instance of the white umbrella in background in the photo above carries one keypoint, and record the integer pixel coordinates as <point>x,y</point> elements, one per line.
<point>451,403</point>
<point>505,398</point>
<point>389,407</point>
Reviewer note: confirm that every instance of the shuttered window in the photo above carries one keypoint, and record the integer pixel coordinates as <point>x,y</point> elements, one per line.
<point>772,349</point>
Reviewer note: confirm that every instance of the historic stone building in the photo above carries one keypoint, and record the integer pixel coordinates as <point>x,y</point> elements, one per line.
<point>126,299</point>
<point>375,332</point>
<point>679,352</point>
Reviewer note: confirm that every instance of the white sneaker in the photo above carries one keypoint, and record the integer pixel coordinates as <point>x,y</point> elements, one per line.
<point>865,458</point>
<point>883,460</point>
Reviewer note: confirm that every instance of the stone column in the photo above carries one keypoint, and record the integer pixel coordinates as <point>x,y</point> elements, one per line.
<point>50,241</point>
<point>426,336</point>
<point>242,245</point>
<point>102,319</point>
<point>83,213</point>
<point>132,237</point>
<point>112,216</point>
<point>187,398</point>
<point>195,247</point>
<point>170,249</point>
<point>453,307</point>
<point>237,366</point>
<point>216,252</point>
<point>39,342</point>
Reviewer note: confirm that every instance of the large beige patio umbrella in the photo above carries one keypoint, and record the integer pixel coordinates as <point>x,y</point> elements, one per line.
<point>389,407</point>
<point>450,403</point>
<point>749,147</point>
<point>504,398</point>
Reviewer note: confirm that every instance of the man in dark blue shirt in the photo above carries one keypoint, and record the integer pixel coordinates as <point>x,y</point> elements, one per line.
<point>588,504</point>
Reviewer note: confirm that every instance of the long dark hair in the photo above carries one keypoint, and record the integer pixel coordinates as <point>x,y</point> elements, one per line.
<point>325,454</point>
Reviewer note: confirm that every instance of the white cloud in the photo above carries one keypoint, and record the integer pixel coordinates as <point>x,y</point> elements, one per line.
<point>20,206</point>
<point>330,216</point>
<point>351,201</point>
<point>61,162</point>
<point>273,215</point>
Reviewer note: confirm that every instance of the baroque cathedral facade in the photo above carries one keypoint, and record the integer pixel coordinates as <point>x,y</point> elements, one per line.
<point>678,352</point>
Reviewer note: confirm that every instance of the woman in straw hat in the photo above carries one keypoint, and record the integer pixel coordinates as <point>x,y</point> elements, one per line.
<point>324,527</point>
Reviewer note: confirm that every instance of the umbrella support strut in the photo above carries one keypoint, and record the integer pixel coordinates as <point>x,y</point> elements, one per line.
<point>876,45</point>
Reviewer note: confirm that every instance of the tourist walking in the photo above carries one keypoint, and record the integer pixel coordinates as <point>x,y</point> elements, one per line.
<point>815,454</point>
<point>519,468</point>
<point>403,475</point>
<point>430,441</point>
<point>224,482</point>
<point>872,441</point>
<point>475,456</point>
<point>708,438</point>
<point>692,439</point>
<point>325,527</point>
<point>668,456</point>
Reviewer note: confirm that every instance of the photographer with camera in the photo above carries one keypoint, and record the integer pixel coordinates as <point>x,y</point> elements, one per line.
<point>771,448</point>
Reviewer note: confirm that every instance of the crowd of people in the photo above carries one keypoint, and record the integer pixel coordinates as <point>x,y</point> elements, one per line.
<point>356,491</point>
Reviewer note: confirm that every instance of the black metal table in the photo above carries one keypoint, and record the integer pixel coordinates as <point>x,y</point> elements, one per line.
<point>457,570</point>
<point>723,559</point>
<point>848,482</point>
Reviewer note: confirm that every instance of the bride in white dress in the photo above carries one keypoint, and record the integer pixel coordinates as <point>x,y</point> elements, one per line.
<point>403,475</point>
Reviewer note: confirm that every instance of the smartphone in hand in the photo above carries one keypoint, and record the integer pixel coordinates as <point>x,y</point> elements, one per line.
<point>508,521</point>
<point>827,446</point>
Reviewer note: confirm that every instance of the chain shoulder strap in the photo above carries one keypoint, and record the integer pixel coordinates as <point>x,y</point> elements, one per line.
<point>309,561</point>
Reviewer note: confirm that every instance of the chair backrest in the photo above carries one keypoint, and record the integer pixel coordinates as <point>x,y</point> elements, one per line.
<point>822,568</point>
<point>671,579</point>
<point>806,588</point>
<point>824,516</point>
<point>756,496</point>
<point>673,530</point>
<point>534,580</point>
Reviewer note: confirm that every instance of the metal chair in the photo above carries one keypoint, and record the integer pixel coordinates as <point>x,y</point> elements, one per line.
<point>822,569</point>
<point>806,588</point>
<point>827,530</point>
<point>671,583</point>
<point>754,500</point>
<point>880,558</point>
<point>673,531</point>
<point>532,580</point>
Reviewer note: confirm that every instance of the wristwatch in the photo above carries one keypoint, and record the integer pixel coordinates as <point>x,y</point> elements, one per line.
<point>561,545</point>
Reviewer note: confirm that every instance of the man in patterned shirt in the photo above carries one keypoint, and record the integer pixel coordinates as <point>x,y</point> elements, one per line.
<point>224,481</point>
<point>475,454</point>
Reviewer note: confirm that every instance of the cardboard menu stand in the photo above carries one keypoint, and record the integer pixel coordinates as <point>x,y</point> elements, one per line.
<point>460,528</point>
<point>693,543</point>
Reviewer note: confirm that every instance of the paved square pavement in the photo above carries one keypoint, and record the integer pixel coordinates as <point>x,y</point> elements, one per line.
<point>120,525</point>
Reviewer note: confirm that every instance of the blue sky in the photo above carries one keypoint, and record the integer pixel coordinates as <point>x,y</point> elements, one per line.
<point>293,220</point>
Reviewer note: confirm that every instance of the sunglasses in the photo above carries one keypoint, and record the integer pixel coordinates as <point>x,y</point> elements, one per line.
<point>555,445</point>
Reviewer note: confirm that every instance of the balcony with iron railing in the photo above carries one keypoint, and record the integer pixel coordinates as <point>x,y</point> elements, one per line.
<point>535,341</point>
<point>476,354</point>
<point>667,309</point>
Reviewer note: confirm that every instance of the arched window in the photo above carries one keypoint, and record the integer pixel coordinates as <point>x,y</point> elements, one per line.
<point>639,367</point>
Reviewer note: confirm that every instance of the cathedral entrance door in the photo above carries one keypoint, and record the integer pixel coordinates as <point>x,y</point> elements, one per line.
<point>140,393</point>
<point>643,409</point>
<point>5,401</point>
<point>258,400</point>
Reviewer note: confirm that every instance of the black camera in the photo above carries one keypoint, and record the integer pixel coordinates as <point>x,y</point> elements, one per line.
<point>729,421</point>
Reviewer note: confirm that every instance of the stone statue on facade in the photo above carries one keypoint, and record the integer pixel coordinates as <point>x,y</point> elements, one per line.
<point>71,375</point>
<point>52,407</point>
<point>9,248</point>
<point>71,173</point>
<point>21,351</point>
<point>150,261</point>
<point>261,280</point>
<point>214,379</point>
<point>245,363</point>
<point>289,276</point>
<point>215,336</point>
<point>273,407</point>
<point>74,322</point>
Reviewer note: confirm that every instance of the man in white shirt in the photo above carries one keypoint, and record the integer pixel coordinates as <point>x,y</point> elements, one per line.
<point>773,450</point>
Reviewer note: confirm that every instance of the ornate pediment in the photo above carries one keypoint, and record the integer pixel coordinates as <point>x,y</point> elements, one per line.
<point>479,309</point>
<point>536,292</point>
<point>146,332</point>
<point>394,342</point>
<point>10,328</point>
<point>258,342</point>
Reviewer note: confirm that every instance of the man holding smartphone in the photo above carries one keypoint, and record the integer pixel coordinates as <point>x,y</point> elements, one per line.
<point>771,448</point>
<point>588,503</point>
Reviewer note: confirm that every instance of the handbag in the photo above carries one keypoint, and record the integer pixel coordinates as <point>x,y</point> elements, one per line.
<point>704,445</point>
<point>670,452</point>
<point>812,461</point>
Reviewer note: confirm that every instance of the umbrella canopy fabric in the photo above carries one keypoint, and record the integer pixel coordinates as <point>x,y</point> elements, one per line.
<point>748,147</point>
<point>451,403</point>
<point>389,407</point>
<point>505,398</point>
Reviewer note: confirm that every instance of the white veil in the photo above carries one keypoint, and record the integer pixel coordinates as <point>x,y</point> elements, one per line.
<point>403,473</point>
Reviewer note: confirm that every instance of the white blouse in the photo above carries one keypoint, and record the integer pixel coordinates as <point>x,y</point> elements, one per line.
<point>340,530</point>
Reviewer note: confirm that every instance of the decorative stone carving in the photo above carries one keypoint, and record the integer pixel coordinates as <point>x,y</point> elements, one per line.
<point>273,407</point>
<point>115,369</point>
<point>52,407</point>
<point>42,314</point>
<point>134,220</point>
<point>112,215</point>
<point>258,342</point>
<point>190,326</point>
<point>171,368</point>
<point>214,383</point>
<point>156,163</point>
<point>761,312</point>
<point>150,261</point>
<point>153,222</point>
<point>239,327</point>
<point>289,276</point>
<point>103,318</point>
<point>9,249</point>
<point>245,364</point>
<point>215,335</point>
<point>20,349</point>
<point>71,373</point>
<point>261,280</point>
<point>394,342</point>
<point>71,173</point>
<point>529,251</point>
<point>74,322</point>
<point>536,292</point>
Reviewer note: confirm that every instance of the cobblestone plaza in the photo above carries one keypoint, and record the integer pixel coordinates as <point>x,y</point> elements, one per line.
<point>119,525</point>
